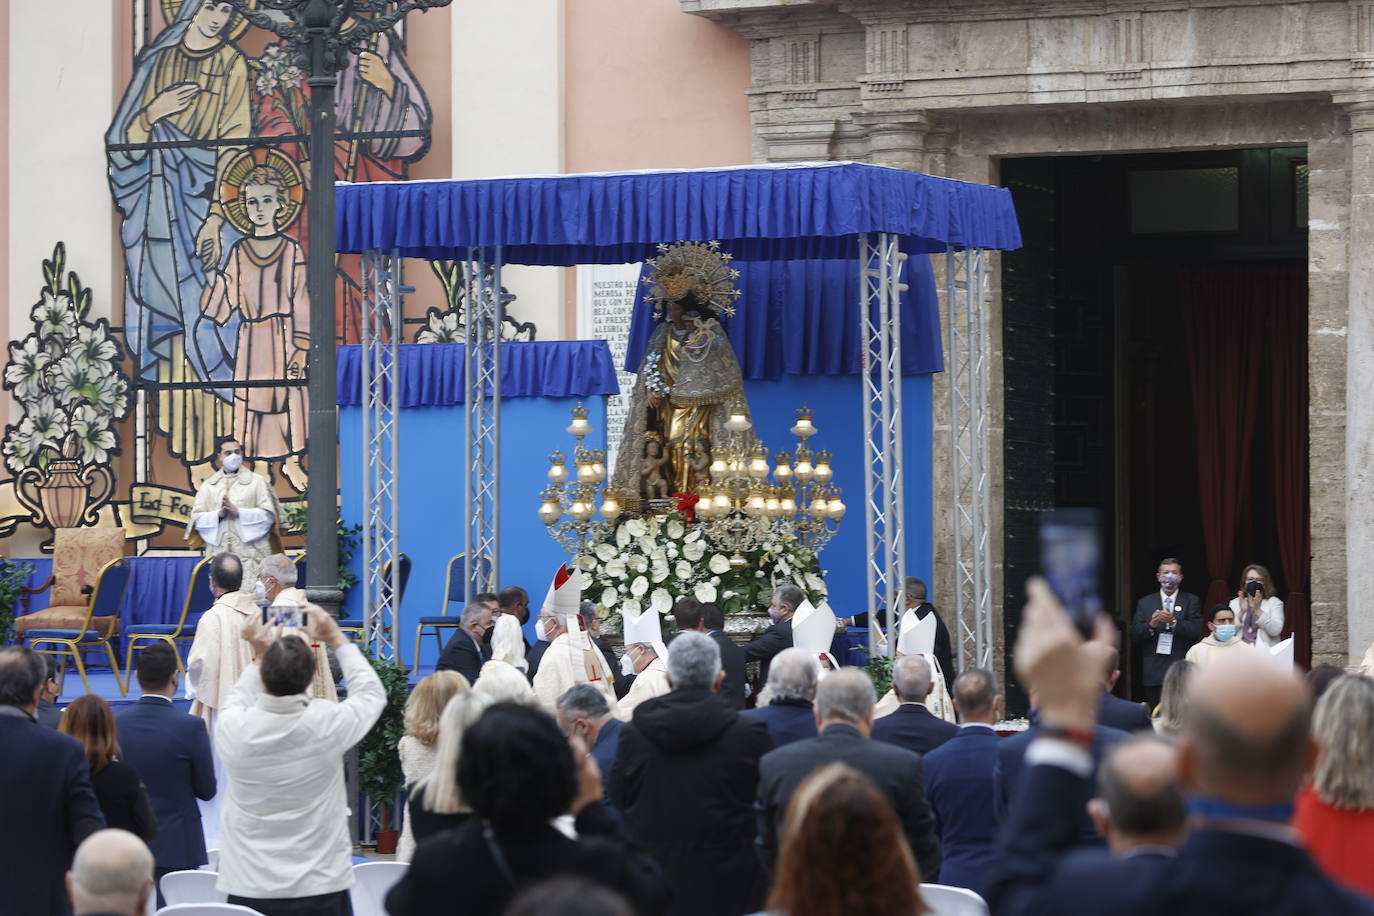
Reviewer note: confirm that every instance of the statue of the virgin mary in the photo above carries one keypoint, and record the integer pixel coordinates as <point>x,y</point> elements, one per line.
<point>689,381</point>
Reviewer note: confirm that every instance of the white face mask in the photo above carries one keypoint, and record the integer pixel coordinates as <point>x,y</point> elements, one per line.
<point>260,592</point>
<point>232,463</point>
<point>773,613</point>
<point>550,629</point>
<point>627,665</point>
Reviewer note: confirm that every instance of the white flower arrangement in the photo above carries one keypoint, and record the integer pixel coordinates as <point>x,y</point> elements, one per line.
<point>648,563</point>
<point>66,378</point>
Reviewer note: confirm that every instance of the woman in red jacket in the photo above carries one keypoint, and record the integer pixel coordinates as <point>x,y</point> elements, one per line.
<point>1335,812</point>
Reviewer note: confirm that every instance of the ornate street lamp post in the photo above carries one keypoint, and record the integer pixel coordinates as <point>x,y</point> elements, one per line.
<point>320,34</point>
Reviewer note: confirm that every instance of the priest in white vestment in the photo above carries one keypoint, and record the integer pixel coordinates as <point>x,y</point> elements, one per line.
<point>219,654</point>
<point>916,636</point>
<point>571,658</point>
<point>646,657</point>
<point>236,512</point>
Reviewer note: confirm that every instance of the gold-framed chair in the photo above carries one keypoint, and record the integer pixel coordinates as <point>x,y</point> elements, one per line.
<point>455,587</point>
<point>198,596</point>
<point>107,599</point>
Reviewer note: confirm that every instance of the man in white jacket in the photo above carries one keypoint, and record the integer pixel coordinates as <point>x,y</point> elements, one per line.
<point>284,845</point>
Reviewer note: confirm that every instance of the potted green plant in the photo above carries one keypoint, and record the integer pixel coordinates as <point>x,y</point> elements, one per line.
<point>379,762</point>
<point>12,576</point>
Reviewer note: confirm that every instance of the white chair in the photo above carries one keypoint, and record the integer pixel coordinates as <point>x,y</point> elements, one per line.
<point>191,887</point>
<point>944,900</point>
<point>207,909</point>
<point>371,881</point>
<point>213,864</point>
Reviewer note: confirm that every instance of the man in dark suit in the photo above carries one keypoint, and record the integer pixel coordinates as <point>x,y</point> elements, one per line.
<point>844,719</point>
<point>708,618</point>
<point>48,803</point>
<point>1242,755</point>
<point>1140,809</point>
<point>583,711</point>
<point>914,599</point>
<point>1165,626</point>
<point>958,778</point>
<point>1115,712</point>
<point>170,750</point>
<point>911,725</point>
<point>786,599</point>
<point>791,688</point>
<point>465,652</point>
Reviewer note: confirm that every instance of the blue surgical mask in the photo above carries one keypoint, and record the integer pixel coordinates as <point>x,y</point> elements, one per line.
<point>1226,632</point>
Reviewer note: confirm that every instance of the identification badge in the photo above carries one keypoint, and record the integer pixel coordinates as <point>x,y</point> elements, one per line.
<point>1165,646</point>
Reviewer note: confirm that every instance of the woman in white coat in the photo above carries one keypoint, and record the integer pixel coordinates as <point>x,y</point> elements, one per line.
<point>1259,612</point>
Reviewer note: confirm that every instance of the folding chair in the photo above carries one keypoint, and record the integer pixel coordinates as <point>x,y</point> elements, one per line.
<point>191,886</point>
<point>356,626</point>
<point>198,595</point>
<point>371,881</point>
<point>455,587</point>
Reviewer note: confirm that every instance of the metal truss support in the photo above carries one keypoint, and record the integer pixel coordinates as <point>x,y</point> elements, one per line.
<point>965,297</point>
<point>483,308</point>
<point>880,333</point>
<point>381,323</point>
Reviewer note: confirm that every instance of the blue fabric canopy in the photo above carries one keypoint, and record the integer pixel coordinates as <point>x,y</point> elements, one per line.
<point>802,318</point>
<point>431,375</point>
<point>757,214</point>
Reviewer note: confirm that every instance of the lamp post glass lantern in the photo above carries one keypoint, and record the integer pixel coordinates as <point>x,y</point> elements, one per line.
<point>320,35</point>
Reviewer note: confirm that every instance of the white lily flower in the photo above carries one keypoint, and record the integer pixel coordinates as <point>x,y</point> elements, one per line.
<point>719,564</point>
<point>623,536</point>
<point>609,597</point>
<point>683,570</point>
<point>705,593</point>
<point>605,552</point>
<point>639,586</point>
<point>694,551</point>
<point>660,601</point>
<point>676,529</point>
<point>636,527</point>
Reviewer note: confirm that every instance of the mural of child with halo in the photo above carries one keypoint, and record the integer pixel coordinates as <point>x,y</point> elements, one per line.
<point>263,285</point>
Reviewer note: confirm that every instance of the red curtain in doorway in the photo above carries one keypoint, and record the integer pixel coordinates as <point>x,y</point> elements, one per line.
<point>1245,325</point>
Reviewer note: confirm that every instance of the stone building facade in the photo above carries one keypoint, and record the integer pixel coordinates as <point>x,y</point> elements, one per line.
<point>951,87</point>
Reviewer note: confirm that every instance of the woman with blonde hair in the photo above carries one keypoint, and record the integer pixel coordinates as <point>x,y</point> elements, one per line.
<point>1258,608</point>
<point>838,819</point>
<point>118,788</point>
<point>502,683</point>
<point>435,804</point>
<point>1335,812</point>
<point>1173,700</point>
<point>508,642</point>
<point>419,745</point>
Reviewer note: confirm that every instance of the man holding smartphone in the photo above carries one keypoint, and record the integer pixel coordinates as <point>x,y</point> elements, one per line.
<point>1166,625</point>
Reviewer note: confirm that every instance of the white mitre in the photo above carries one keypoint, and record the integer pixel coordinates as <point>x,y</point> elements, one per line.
<point>813,628</point>
<point>917,636</point>
<point>645,627</point>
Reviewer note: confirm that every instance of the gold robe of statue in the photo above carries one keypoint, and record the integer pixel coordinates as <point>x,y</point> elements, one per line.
<point>697,366</point>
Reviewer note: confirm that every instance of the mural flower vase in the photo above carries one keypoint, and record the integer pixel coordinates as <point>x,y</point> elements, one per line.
<point>65,495</point>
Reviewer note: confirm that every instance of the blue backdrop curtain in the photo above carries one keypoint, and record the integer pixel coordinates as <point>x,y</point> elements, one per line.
<point>802,318</point>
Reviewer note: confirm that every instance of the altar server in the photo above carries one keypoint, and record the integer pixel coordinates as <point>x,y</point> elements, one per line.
<point>646,657</point>
<point>570,658</point>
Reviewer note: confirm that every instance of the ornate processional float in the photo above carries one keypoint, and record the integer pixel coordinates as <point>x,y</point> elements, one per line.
<point>693,506</point>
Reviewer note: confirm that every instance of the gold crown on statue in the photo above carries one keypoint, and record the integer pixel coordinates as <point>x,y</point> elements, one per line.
<point>687,267</point>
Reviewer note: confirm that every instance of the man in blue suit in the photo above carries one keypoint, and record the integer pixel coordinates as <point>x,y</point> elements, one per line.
<point>1242,756</point>
<point>48,803</point>
<point>465,652</point>
<point>958,778</point>
<point>170,749</point>
<point>1115,712</point>
<point>583,711</point>
<point>911,725</point>
<point>792,687</point>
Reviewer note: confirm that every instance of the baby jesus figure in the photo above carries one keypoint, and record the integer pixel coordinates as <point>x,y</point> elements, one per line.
<point>699,463</point>
<point>652,483</point>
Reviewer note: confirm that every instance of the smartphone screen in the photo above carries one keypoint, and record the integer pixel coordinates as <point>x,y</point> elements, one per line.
<point>1071,557</point>
<point>284,615</point>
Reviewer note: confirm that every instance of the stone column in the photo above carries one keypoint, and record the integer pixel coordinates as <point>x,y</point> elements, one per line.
<point>896,139</point>
<point>1359,378</point>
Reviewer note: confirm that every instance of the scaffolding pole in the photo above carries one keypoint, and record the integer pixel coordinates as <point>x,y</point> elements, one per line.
<point>965,297</point>
<point>482,419</point>
<point>381,453</point>
<point>880,333</point>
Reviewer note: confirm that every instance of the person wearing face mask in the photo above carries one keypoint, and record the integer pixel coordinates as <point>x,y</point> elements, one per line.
<point>1258,609</point>
<point>646,659</point>
<point>1223,637</point>
<point>786,599</point>
<point>1166,625</point>
<point>570,658</point>
<point>235,511</point>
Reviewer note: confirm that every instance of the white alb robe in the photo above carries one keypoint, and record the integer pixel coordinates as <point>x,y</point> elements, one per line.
<point>246,535</point>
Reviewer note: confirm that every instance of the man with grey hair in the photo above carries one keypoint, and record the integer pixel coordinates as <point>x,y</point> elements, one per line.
<point>792,687</point>
<point>583,711</point>
<point>844,720</point>
<point>911,725</point>
<point>786,599</point>
<point>466,650</point>
<point>276,584</point>
<point>650,676</point>
<point>111,875</point>
<point>685,779</point>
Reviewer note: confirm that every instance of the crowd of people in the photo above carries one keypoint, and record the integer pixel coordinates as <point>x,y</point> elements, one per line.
<point>556,778</point>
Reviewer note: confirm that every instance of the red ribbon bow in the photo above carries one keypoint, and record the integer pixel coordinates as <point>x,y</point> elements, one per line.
<point>686,505</point>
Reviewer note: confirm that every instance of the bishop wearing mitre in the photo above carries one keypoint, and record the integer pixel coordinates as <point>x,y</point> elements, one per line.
<point>571,658</point>
<point>236,512</point>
